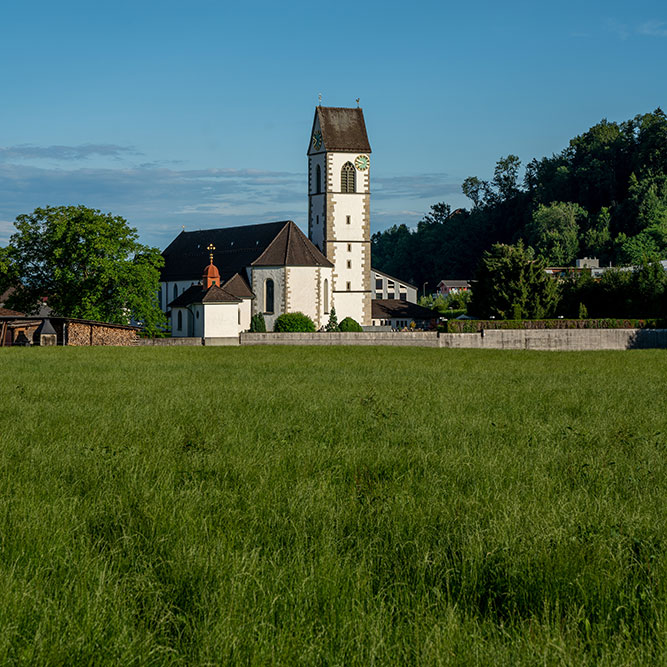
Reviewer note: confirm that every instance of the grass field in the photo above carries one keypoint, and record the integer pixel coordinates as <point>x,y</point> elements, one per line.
<point>344,506</point>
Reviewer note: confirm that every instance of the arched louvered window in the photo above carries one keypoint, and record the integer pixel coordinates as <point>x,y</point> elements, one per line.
<point>347,178</point>
<point>318,179</point>
<point>179,326</point>
<point>268,295</point>
<point>325,296</point>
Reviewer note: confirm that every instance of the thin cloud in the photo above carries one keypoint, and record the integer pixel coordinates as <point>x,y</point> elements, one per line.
<point>65,153</point>
<point>420,186</point>
<point>621,30</point>
<point>653,28</point>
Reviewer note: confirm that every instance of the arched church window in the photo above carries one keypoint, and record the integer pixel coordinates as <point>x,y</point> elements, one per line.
<point>179,326</point>
<point>347,178</point>
<point>175,291</point>
<point>318,179</point>
<point>325,298</point>
<point>268,295</point>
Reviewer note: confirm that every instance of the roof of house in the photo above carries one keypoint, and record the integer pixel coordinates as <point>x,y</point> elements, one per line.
<point>291,247</point>
<point>197,294</point>
<point>6,294</point>
<point>454,283</point>
<point>394,278</point>
<point>386,309</point>
<point>6,312</point>
<point>238,287</point>
<point>343,129</point>
<point>236,248</point>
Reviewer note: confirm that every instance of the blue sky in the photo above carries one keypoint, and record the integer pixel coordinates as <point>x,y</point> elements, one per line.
<point>198,113</point>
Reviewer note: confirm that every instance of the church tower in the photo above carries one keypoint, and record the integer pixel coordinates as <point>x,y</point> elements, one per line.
<point>339,206</point>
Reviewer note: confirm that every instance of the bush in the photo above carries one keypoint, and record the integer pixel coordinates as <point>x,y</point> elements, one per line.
<point>291,322</point>
<point>350,325</point>
<point>332,324</point>
<point>257,323</point>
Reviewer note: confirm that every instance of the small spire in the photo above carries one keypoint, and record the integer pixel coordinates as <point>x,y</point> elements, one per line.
<point>210,249</point>
<point>319,98</point>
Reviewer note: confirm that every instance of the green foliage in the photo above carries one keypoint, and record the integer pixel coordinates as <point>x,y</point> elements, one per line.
<point>385,506</point>
<point>350,325</point>
<point>332,324</point>
<point>641,293</point>
<point>475,326</point>
<point>554,232</point>
<point>511,284</point>
<point>257,323</point>
<point>600,192</point>
<point>89,264</point>
<point>293,322</point>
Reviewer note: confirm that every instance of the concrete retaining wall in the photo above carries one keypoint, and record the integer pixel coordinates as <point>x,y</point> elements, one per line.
<point>403,339</point>
<point>169,341</point>
<point>559,339</point>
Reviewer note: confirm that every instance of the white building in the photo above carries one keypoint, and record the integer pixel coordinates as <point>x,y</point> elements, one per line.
<point>273,268</point>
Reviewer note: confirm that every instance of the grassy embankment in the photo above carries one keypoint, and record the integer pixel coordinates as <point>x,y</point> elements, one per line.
<point>348,506</point>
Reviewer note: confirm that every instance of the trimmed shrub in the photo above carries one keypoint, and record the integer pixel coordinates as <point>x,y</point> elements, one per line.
<point>257,323</point>
<point>349,325</point>
<point>292,322</point>
<point>475,326</point>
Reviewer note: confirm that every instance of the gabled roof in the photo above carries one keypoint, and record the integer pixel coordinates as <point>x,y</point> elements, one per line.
<point>291,248</point>
<point>386,309</point>
<point>197,294</point>
<point>6,312</point>
<point>235,248</point>
<point>238,287</point>
<point>342,129</point>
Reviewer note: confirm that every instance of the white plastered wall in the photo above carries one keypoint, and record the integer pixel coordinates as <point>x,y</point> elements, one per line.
<point>221,320</point>
<point>259,277</point>
<point>305,291</point>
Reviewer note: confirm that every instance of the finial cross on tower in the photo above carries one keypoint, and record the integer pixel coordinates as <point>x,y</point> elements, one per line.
<point>319,98</point>
<point>210,249</point>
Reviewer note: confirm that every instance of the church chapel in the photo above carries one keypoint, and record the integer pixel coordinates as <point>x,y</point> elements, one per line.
<point>214,280</point>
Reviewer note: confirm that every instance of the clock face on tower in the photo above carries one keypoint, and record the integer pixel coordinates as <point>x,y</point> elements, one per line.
<point>361,162</point>
<point>317,141</point>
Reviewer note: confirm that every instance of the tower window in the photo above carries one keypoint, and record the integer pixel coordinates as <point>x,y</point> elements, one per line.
<point>318,179</point>
<point>349,264</point>
<point>349,247</point>
<point>348,219</point>
<point>317,219</point>
<point>347,178</point>
<point>349,285</point>
<point>268,295</point>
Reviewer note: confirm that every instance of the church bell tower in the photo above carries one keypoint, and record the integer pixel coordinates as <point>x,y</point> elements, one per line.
<point>339,205</point>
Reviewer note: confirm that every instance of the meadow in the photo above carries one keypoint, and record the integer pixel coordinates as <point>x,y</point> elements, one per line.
<point>343,506</point>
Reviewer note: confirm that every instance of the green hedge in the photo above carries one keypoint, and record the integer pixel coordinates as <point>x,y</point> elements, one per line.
<point>292,322</point>
<point>475,326</point>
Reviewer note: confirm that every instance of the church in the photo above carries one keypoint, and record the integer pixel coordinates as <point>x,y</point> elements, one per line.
<point>215,280</point>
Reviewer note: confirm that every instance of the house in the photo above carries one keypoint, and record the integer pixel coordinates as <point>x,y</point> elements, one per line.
<point>389,287</point>
<point>400,314</point>
<point>447,287</point>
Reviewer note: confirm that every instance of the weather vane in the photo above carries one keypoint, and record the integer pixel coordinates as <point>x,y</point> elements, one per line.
<point>357,101</point>
<point>319,97</point>
<point>210,249</point>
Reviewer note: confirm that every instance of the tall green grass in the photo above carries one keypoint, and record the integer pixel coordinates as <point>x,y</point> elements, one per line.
<point>343,506</point>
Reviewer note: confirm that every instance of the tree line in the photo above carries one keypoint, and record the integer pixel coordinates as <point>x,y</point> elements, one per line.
<point>604,196</point>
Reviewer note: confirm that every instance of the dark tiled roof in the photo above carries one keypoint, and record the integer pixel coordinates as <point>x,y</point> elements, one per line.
<point>236,247</point>
<point>343,129</point>
<point>197,294</point>
<point>386,309</point>
<point>238,287</point>
<point>394,278</point>
<point>291,248</point>
<point>454,283</point>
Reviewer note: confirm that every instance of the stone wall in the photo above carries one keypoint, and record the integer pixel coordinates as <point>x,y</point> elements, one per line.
<point>169,342</point>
